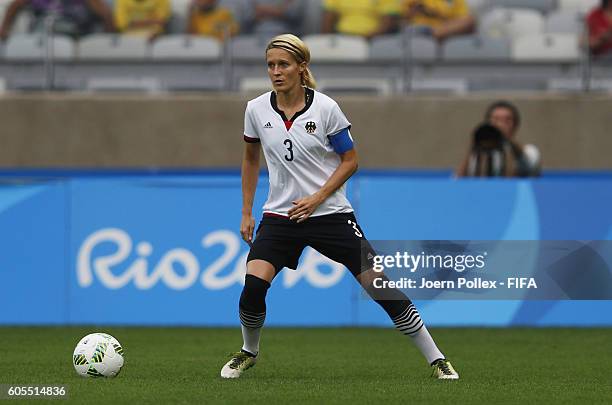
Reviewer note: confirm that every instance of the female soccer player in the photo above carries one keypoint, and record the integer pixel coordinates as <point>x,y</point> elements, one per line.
<point>310,155</point>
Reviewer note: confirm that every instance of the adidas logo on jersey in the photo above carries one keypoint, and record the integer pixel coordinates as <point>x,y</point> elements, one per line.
<point>268,125</point>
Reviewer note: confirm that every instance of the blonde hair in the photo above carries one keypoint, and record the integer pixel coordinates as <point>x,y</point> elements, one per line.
<point>298,49</point>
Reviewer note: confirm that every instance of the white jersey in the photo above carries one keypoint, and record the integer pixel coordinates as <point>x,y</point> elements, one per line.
<point>298,153</point>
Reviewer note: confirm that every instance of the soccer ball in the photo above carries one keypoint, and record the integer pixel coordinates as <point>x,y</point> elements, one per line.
<point>98,355</point>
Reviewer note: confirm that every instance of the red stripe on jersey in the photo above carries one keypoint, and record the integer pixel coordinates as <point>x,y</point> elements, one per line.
<point>250,140</point>
<point>271,214</point>
<point>288,125</point>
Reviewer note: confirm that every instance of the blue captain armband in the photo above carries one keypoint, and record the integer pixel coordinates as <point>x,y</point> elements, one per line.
<point>341,142</point>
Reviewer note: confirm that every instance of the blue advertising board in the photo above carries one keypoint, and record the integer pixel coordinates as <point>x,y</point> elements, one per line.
<point>34,257</point>
<point>165,249</point>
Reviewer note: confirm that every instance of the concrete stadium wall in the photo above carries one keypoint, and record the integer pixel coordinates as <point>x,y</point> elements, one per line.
<point>60,130</point>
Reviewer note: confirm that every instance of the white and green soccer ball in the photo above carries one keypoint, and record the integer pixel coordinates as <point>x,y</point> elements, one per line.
<point>98,355</point>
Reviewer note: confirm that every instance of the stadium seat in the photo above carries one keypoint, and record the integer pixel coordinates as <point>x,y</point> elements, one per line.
<point>564,22</point>
<point>337,48</point>
<point>511,22</point>
<point>31,47</point>
<point>546,48</point>
<point>111,47</point>
<point>475,48</point>
<point>390,47</point>
<point>543,6</point>
<point>186,48</point>
<point>584,6</point>
<point>249,48</point>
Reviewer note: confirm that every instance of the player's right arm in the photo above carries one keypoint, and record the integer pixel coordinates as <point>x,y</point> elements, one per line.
<point>250,173</point>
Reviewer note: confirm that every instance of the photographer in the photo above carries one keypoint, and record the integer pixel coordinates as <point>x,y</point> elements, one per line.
<point>495,152</point>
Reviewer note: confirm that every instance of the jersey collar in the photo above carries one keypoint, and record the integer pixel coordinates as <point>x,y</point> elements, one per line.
<point>309,96</point>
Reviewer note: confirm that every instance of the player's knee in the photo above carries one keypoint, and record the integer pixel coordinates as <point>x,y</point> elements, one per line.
<point>262,269</point>
<point>253,297</point>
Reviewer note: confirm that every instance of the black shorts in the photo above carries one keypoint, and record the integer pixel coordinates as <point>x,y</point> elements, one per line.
<point>280,241</point>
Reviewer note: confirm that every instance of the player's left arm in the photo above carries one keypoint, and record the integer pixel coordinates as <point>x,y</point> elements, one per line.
<point>304,207</point>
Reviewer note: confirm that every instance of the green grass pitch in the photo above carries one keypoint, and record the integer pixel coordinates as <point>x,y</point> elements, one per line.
<point>336,365</point>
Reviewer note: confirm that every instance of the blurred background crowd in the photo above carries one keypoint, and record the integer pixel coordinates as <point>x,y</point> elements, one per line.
<point>390,46</point>
<point>439,19</point>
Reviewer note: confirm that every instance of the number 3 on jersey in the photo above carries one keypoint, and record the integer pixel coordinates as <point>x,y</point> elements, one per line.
<point>357,232</point>
<point>289,146</point>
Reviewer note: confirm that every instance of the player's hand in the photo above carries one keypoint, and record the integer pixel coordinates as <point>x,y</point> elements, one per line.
<point>304,207</point>
<point>247,225</point>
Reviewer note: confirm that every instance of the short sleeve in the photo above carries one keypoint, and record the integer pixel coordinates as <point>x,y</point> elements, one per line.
<point>250,131</point>
<point>337,121</point>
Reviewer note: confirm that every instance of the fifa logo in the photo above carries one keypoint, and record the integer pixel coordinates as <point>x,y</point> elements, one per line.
<point>311,127</point>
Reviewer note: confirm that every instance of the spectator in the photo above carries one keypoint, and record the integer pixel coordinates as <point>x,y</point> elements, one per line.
<point>273,17</point>
<point>73,17</point>
<point>439,18</point>
<point>207,18</point>
<point>599,23</point>
<point>360,17</point>
<point>142,17</point>
<point>494,150</point>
